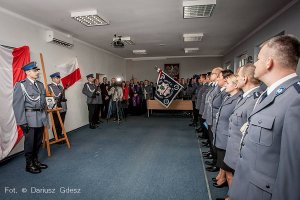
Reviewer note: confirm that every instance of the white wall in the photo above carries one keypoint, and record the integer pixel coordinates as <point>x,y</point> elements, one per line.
<point>288,22</point>
<point>188,67</point>
<point>17,31</point>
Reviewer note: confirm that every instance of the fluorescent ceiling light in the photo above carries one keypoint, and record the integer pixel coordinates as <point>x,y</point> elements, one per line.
<point>191,50</point>
<point>192,37</point>
<point>139,51</point>
<point>89,18</point>
<point>198,8</point>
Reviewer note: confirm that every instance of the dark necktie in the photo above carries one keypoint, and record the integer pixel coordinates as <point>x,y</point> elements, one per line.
<point>35,85</point>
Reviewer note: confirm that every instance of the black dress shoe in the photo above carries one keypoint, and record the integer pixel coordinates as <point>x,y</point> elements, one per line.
<point>222,198</point>
<point>92,126</point>
<point>38,164</point>
<point>209,163</point>
<point>209,156</point>
<point>206,145</point>
<point>220,186</point>
<point>212,169</point>
<point>192,124</point>
<point>62,142</point>
<point>32,169</point>
<point>41,165</point>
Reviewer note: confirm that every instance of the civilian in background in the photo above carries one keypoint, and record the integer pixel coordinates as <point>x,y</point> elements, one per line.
<point>125,98</point>
<point>105,98</point>
<point>99,102</point>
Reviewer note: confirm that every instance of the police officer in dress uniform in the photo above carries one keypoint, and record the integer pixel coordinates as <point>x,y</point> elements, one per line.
<point>59,94</point>
<point>29,104</point>
<point>269,162</point>
<point>250,86</point>
<point>89,89</point>
<point>215,100</point>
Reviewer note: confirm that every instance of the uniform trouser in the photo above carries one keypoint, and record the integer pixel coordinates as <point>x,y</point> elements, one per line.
<point>104,111</point>
<point>212,147</point>
<point>92,109</point>
<point>57,123</point>
<point>203,128</point>
<point>195,112</point>
<point>33,141</point>
<point>196,115</point>
<point>97,112</point>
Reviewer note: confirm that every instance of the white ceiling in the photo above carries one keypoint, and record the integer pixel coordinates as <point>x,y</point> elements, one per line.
<point>152,22</point>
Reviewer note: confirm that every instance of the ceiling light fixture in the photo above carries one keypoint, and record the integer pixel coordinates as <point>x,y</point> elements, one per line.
<point>89,18</point>
<point>191,50</point>
<point>139,52</point>
<point>192,37</point>
<point>198,8</point>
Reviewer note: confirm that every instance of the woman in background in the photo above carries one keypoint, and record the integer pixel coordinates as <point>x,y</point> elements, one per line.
<point>125,98</point>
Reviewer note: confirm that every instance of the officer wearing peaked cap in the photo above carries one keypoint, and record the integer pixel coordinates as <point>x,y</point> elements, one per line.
<point>89,89</point>
<point>59,94</point>
<point>29,105</point>
<point>269,162</point>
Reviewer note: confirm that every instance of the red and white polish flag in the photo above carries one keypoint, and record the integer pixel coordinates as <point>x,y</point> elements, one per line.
<point>11,62</point>
<point>69,72</point>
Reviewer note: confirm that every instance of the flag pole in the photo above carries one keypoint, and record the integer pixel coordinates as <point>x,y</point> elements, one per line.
<point>44,75</point>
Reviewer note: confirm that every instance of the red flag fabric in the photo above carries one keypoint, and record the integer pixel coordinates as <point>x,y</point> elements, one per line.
<point>70,72</point>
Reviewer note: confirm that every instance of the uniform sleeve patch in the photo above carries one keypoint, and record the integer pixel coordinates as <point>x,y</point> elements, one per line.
<point>280,91</point>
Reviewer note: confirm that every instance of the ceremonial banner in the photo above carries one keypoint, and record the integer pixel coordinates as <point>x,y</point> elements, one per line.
<point>172,70</point>
<point>11,62</point>
<point>167,89</point>
<point>70,72</point>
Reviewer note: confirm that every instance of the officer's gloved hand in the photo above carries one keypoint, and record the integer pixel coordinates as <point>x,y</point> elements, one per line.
<point>25,128</point>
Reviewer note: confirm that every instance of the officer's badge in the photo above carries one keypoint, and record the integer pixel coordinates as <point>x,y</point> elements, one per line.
<point>256,95</point>
<point>280,91</point>
<point>297,86</point>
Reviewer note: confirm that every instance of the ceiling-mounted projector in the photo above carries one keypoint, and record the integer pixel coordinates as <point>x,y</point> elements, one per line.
<point>120,41</point>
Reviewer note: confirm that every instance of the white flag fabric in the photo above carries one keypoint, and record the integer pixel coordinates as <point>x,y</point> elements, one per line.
<point>70,72</point>
<point>11,61</point>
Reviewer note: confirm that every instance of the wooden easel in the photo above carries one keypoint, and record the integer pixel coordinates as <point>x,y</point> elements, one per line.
<point>46,141</point>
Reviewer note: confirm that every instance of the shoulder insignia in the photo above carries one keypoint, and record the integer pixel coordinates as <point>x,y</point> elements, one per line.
<point>280,91</point>
<point>297,86</point>
<point>256,95</point>
<point>23,81</point>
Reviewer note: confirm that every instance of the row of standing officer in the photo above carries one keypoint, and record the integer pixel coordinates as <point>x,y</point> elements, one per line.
<point>266,165</point>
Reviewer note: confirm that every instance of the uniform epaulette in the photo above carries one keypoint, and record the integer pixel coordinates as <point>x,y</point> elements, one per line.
<point>297,86</point>
<point>256,95</point>
<point>22,81</point>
